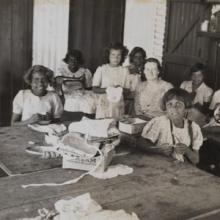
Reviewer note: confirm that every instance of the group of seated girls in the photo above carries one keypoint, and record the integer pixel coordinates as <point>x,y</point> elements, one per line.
<point>116,90</point>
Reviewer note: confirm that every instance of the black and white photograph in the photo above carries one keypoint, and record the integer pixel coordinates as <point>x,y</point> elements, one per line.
<point>109,109</point>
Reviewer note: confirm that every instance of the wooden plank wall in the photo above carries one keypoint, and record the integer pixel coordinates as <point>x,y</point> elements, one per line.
<point>93,25</point>
<point>16,50</point>
<point>183,16</point>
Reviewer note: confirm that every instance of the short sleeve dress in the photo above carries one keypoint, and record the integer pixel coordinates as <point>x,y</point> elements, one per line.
<point>148,97</point>
<point>104,77</point>
<point>27,104</point>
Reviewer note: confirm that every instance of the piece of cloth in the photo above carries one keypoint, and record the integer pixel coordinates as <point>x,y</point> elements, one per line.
<point>215,100</point>
<point>113,171</point>
<point>148,97</point>
<point>90,127</point>
<point>107,109</point>
<point>203,92</point>
<point>114,94</point>
<point>158,131</point>
<point>49,129</point>
<point>27,104</point>
<point>63,70</point>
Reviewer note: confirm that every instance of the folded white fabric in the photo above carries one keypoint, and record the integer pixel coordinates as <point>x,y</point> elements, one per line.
<point>50,129</point>
<point>114,94</point>
<point>95,128</point>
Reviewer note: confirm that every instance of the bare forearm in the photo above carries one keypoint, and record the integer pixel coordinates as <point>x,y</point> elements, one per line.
<point>147,146</point>
<point>19,123</point>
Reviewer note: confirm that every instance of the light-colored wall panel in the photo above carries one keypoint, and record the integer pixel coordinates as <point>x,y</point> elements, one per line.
<point>50,32</point>
<point>144,25</point>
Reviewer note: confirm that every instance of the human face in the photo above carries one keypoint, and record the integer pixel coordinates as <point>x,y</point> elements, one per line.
<point>115,57</point>
<point>197,78</point>
<point>151,71</point>
<point>73,64</point>
<point>175,109</point>
<point>39,83</point>
<point>138,59</point>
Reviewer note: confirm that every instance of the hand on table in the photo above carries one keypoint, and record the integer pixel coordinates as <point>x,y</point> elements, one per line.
<point>167,149</point>
<point>180,148</point>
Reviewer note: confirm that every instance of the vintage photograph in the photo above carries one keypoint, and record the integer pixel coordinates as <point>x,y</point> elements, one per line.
<point>109,109</point>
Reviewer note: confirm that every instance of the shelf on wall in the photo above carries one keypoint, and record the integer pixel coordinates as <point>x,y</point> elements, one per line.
<point>211,1</point>
<point>209,34</point>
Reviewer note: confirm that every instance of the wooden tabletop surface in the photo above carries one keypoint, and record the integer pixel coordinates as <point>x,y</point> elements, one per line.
<point>157,189</point>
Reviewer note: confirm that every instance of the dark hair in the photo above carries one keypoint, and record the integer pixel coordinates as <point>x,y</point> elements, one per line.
<point>153,60</point>
<point>38,68</point>
<point>76,54</point>
<point>136,50</point>
<point>115,46</point>
<point>198,67</point>
<point>179,94</point>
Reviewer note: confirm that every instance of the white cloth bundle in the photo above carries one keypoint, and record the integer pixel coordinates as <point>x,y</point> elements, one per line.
<point>50,129</point>
<point>114,94</point>
<point>95,128</point>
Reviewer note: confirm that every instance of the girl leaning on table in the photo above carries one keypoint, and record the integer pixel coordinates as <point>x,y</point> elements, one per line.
<point>172,134</point>
<point>109,83</point>
<point>36,105</point>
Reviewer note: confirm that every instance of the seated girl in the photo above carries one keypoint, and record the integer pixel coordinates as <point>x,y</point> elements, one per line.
<point>71,68</point>
<point>36,104</point>
<point>172,134</point>
<point>137,59</point>
<point>109,83</point>
<point>73,83</point>
<point>199,91</point>
<point>149,93</point>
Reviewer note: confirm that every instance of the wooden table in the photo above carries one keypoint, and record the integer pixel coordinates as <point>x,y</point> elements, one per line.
<point>157,189</point>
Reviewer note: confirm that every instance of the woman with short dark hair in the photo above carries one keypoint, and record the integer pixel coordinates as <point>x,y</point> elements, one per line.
<point>149,93</point>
